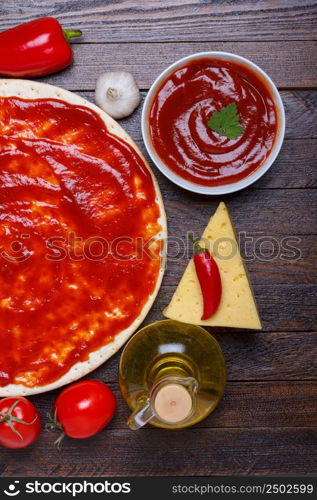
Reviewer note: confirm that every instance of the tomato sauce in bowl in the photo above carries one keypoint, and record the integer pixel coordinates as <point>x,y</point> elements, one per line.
<point>181,107</point>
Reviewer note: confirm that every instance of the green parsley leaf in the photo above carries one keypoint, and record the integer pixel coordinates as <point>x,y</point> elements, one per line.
<point>226,122</point>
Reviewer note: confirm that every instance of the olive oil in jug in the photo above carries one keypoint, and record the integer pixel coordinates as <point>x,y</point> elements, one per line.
<point>172,375</point>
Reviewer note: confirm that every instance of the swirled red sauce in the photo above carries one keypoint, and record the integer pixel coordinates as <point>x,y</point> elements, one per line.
<point>77,207</point>
<point>182,107</point>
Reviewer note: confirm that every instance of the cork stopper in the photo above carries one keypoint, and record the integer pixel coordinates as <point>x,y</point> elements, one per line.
<point>173,403</point>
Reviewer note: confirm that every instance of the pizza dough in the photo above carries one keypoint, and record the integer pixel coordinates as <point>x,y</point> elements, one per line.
<point>34,90</point>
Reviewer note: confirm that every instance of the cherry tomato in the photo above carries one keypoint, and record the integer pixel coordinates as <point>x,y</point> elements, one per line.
<point>20,423</point>
<point>84,408</point>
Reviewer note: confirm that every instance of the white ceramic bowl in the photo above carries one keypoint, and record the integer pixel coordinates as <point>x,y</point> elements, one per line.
<point>226,188</point>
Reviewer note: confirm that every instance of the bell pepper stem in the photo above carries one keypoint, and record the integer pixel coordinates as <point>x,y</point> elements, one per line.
<point>68,34</point>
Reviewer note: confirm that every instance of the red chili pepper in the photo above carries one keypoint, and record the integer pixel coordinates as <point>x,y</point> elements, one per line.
<point>35,48</point>
<point>209,279</point>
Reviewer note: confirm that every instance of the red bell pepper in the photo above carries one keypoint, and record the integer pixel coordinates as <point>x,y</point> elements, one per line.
<point>35,48</point>
<point>209,279</point>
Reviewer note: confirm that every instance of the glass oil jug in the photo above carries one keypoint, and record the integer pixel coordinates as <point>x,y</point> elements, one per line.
<point>172,375</point>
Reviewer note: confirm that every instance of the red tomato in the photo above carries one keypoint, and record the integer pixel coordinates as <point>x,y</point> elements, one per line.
<point>20,423</point>
<point>84,408</point>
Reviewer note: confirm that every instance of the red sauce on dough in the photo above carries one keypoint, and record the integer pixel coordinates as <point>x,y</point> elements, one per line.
<point>77,205</point>
<point>182,107</point>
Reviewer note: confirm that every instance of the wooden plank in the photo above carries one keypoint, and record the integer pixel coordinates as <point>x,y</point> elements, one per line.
<point>263,269</point>
<point>245,404</point>
<point>301,118</point>
<point>269,212</point>
<point>282,307</point>
<point>131,20</point>
<point>251,355</point>
<point>265,238</point>
<point>273,253</point>
<point>295,166</point>
<point>300,106</point>
<point>155,452</point>
<point>265,212</point>
<point>283,61</point>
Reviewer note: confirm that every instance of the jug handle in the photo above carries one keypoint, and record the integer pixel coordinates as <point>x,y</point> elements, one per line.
<point>141,415</point>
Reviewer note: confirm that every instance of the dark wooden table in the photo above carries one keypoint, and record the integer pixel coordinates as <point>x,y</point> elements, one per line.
<point>266,423</point>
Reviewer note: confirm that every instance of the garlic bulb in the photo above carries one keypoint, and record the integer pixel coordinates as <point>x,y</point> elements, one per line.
<point>117,93</point>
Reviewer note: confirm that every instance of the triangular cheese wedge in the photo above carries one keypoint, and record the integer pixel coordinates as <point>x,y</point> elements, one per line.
<point>237,308</point>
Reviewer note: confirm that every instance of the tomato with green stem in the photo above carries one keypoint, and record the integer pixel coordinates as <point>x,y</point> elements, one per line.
<point>82,410</point>
<point>20,423</point>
